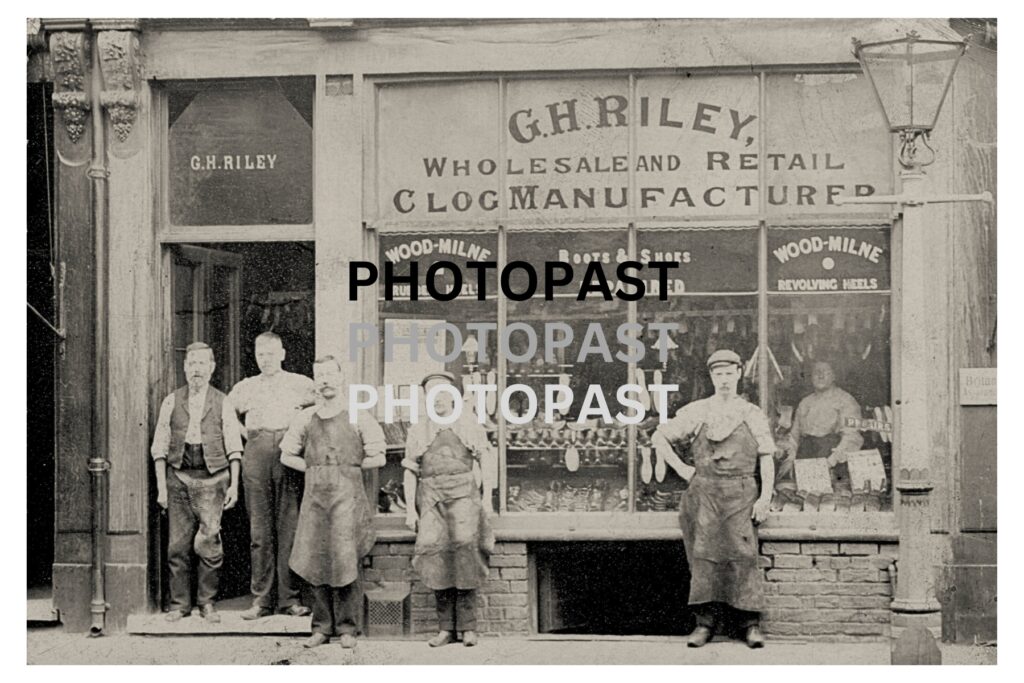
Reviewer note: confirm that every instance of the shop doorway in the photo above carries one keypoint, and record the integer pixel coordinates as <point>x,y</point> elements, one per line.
<point>226,294</point>
<point>623,588</point>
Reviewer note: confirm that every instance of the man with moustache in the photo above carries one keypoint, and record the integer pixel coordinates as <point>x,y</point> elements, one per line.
<point>730,438</point>
<point>335,529</point>
<point>198,440</point>
<point>442,481</point>
<point>269,401</point>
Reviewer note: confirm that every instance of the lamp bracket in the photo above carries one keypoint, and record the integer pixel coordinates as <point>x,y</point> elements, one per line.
<point>916,200</point>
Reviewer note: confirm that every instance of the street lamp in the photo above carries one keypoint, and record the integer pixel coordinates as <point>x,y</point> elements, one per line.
<point>910,77</point>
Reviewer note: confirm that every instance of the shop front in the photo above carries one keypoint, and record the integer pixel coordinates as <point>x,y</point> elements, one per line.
<point>262,164</point>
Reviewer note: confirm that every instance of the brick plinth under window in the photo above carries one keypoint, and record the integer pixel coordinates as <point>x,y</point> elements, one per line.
<point>828,590</point>
<point>503,607</point>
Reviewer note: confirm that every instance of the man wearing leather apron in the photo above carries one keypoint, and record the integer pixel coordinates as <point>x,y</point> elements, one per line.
<point>820,431</point>
<point>730,438</point>
<point>335,528</point>
<point>444,506</point>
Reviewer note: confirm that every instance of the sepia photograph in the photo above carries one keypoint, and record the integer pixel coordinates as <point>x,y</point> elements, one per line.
<point>511,341</point>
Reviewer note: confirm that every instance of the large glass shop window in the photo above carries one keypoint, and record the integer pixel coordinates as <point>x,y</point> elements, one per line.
<point>240,152</point>
<point>829,310</point>
<point>713,301</point>
<point>567,465</point>
<point>463,356</point>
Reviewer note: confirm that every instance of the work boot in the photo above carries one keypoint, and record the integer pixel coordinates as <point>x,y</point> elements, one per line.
<point>469,638</point>
<point>297,611</point>
<point>755,638</point>
<point>255,612</point>
<point>316,640</point>
<point>208,612</point>
<point>700,637</point>
<point>441,639</point>
<point>347,640</point>
<point>176,615</point>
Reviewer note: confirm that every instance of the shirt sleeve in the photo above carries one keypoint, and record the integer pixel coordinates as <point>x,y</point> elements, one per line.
<point>757,421</point>
<point>415,446</point>
<point>162,435</point>
<point>238,397</point>
<point>684,424</point>
<point>231,429</point>
<point>799,416</point>
<point>374,445</point>
<point>294,440</point>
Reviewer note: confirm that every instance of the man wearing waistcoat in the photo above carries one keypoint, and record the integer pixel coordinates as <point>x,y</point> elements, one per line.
<point>197,454</point>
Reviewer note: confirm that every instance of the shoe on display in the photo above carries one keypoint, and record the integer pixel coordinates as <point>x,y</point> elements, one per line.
<point>469,638</point>
<point>700,637</point>
<point>572,459</point>
<point>441,639</point>
<point>209,613</point>
<point>256,612</point>
<point>659,467</point>
<point>754,638</point>
<point>646,471</point>
<point>316,640</point>
<point>347,641</point>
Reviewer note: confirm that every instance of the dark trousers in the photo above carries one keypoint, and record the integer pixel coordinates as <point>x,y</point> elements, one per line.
<point>336,610</point>
<point>272,493</point>
<point>195,502</point>
<point>456,609</point>
<point>720,617</point>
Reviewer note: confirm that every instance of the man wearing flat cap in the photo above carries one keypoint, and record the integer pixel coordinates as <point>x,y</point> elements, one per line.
<point>729,437</point>
<point>444,506</point>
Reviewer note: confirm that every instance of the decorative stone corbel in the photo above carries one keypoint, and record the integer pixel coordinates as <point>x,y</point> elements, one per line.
<point>70,55</point>
<point>121,67</point>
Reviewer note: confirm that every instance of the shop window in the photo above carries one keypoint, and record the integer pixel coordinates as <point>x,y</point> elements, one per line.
<point>714,303</point>
<point>826,138</point>
<point>568,465</point>
<point>405,317</point>
<point>829,368</point>
<point>240,152</point>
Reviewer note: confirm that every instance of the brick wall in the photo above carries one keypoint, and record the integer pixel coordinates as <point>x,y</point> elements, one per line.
<point>503,606</point>
<point>828,591</point>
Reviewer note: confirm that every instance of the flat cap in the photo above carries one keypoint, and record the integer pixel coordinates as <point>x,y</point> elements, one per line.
<point>444,374</point>
<point>723,357</point>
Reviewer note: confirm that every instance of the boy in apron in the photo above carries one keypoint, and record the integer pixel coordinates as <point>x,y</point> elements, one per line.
<point>442,491</point>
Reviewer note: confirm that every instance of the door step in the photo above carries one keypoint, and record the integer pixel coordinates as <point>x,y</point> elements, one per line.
<point>231,623</point>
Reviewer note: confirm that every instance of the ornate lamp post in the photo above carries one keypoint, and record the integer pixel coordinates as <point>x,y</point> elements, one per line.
<point>911,77</point>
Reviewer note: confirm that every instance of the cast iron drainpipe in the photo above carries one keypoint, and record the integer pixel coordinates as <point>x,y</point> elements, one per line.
<point>99,465</point>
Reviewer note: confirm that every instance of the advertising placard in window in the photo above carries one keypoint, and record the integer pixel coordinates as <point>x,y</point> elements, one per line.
<point>828,259</point>
<point>241,154</point>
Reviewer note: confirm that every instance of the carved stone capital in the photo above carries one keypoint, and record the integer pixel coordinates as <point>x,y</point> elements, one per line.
<point>70,55</point>
<point>121,67</point>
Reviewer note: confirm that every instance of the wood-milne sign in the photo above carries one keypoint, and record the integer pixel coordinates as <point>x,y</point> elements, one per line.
<point>560,147</point>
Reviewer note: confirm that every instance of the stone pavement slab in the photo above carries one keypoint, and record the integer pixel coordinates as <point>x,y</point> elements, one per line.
<point>52,646</point>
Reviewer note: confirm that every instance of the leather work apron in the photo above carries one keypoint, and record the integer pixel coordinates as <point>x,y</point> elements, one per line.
<point>335,529</point>
<point>721,542</point>
<point>454,538</point>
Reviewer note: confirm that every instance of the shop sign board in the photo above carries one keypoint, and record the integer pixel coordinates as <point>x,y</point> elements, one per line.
<point>560,148</point>
<point>819,260</point>
<point>977,386</point>
<point>240,157</point>
<point>710,261</point>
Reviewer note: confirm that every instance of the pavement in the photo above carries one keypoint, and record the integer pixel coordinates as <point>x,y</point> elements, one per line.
<point>50,645</point>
